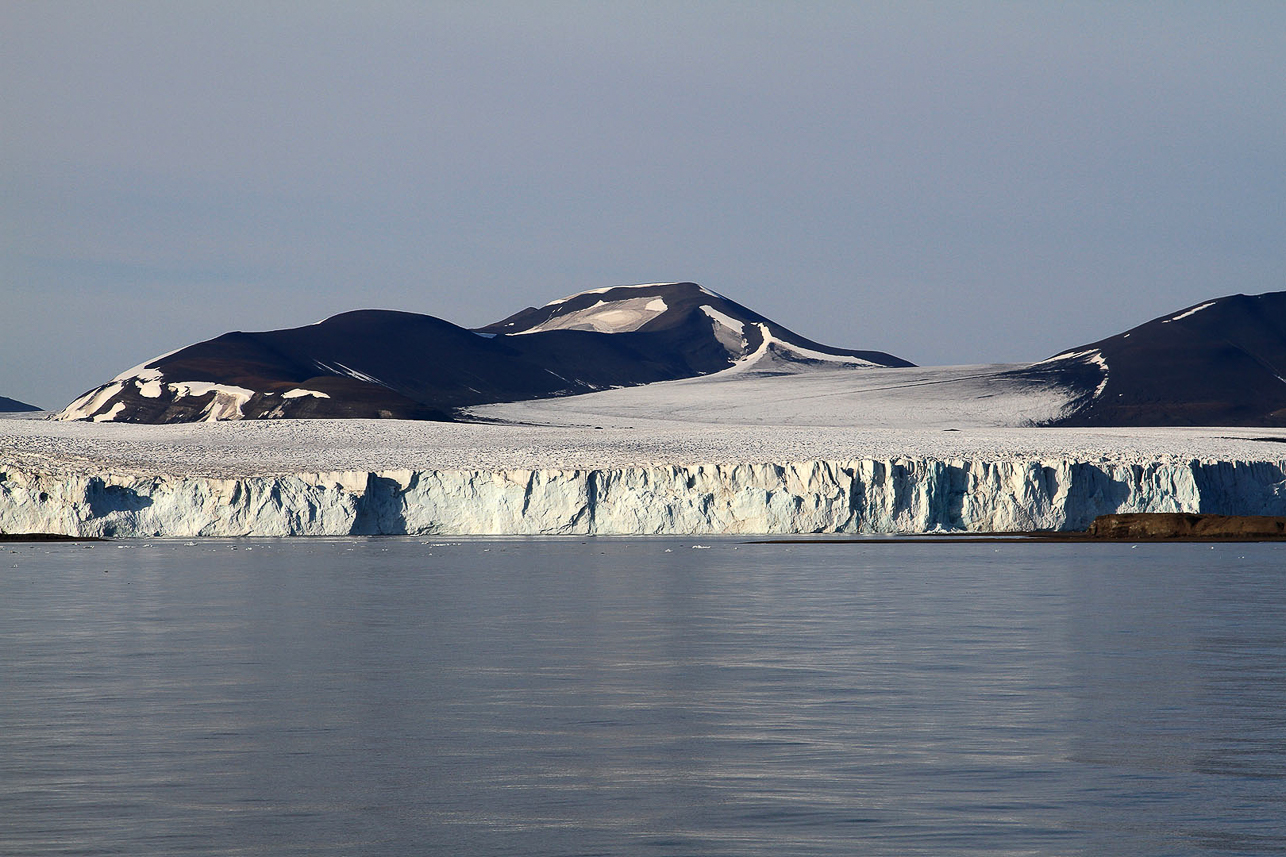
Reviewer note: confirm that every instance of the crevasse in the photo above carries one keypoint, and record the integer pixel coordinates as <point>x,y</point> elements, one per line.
<point>858,496</point>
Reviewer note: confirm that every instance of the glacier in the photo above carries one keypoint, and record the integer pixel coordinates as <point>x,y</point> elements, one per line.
<point>864,495</point>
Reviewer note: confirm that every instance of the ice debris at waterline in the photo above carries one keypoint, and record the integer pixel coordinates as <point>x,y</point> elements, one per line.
<point>820,496</point>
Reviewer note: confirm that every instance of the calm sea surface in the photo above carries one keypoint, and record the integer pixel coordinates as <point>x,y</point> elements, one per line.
<point>641,696</point>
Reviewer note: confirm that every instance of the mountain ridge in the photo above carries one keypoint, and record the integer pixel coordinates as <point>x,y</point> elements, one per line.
<point>392,364</point>
<point>13,406</point>
<point>1219,362</point>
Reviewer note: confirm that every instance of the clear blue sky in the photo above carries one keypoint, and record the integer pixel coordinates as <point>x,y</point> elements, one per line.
<point>950,182</point>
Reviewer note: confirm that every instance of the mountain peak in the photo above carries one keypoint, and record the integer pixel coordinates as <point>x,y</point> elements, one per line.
<point>384,363</point>
<point>738,333</point>
<point>8,405</point>
<point>1218,362</point>
<point>613,309</point>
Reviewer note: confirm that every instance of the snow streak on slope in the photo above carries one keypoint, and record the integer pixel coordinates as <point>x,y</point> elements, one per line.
<point>730,332</point>
<point>1089,355</point>
<point>1192,311</point>
<point>775,349</point>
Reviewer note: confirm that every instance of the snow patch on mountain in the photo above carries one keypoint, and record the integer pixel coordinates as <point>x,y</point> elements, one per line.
<point>299,391</point>
<point>89,404</point>
<point>1192,311</point>
<point>724,320</point>
<point>607,289</point>
<point>775,354</point>
<point>1089,355</point>
<point>110,414</point>
<point>621,316</point>
<point>730,332</point>
<point>142,371</point>
<point>801,353</point>
<point>226,404</point>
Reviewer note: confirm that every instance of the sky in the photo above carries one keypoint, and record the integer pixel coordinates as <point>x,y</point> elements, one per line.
<point>949,182</point>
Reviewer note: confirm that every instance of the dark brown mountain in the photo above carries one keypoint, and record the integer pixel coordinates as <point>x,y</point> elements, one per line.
<point>8,405</point>
<point>380,363</point>
<point>1220,362</point>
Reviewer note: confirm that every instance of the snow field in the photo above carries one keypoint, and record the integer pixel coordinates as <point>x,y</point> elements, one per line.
<point>287,447</point>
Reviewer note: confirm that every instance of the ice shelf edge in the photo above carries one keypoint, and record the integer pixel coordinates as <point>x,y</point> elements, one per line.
<point>819,496</point>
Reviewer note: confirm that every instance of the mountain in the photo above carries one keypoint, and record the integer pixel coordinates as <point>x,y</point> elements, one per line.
<point>683,316</point>
<point>1220,362</point>
<point>8,405</point>
<point>381,363</point>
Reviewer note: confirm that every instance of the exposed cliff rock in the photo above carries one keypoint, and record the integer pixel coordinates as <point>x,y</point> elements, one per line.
<point>1145,527</point>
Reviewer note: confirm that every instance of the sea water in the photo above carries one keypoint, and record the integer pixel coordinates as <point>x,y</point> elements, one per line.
<point>640,696</point>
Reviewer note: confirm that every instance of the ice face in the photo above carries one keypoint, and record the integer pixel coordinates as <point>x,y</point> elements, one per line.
<point>336,477</point>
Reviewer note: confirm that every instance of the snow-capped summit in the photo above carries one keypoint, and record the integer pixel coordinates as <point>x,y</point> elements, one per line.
<point>706,320</point>
<point>380,363</point>
<point>613,309</point>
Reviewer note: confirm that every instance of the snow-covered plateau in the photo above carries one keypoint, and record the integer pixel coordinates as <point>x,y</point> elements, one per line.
<point>615,475</point>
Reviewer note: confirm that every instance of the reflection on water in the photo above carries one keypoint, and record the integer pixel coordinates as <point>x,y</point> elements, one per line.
<point>636,696</point>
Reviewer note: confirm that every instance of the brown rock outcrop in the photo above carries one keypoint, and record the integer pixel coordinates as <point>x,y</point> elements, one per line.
<point>1143,526</point>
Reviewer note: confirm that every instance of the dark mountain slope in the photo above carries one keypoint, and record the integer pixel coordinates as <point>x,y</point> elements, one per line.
<point>8,405</point>
<point>1221,362</point>
<point>380,363</point>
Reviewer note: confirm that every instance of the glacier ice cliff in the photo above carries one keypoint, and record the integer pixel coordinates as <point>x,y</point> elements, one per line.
<point>822,496</point>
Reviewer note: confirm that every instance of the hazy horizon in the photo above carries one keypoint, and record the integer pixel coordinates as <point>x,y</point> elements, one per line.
<point>950,183</point>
